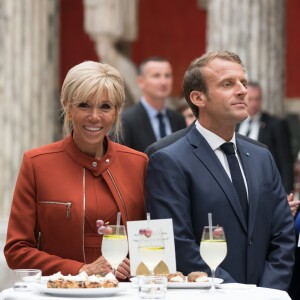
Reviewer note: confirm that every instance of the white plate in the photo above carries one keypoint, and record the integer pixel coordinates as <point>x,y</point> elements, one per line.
<point>82,292</point>
<point>193,285</point>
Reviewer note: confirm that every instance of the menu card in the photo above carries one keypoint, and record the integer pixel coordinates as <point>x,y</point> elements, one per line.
<point>168,262</point>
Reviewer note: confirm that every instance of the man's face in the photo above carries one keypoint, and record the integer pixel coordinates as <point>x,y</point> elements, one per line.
<point>254,100</point>
<point>224,103</point>
<point>156,80</point>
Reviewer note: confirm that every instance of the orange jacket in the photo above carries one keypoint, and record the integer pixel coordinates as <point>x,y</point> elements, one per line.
<point>59,192</point>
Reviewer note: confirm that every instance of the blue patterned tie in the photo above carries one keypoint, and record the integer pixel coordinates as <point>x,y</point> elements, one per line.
<point>162,127</point>
<point>236,177</point>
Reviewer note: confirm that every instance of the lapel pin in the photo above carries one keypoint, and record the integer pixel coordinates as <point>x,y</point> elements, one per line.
<point>247,154</point>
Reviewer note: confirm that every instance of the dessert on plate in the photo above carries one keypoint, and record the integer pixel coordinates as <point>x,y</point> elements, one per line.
<point>176,277</point>
<point>82,280</point>
<point>197,276</point>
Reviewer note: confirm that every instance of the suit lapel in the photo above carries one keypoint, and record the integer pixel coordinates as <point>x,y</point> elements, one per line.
<point>145,124</point>
<point>262,134</point>
<point>172,120</point>
<point>207,156</point>
<point>247,158</point>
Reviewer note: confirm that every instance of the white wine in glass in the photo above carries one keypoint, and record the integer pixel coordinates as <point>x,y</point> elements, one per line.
<point>151,249</point>
<point>213,249</point>
<point>115,245</point>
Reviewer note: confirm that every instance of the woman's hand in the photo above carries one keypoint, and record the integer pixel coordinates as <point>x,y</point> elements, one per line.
<point>123,270</point>
<point>294,204</point>
<point>99,266</point>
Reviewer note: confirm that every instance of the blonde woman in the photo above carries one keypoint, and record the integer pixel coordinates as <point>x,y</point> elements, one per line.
<point>64,187</point>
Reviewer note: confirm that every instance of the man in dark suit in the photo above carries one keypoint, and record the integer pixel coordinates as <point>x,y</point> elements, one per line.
<point>271,131</point>
<point>150,119</point>
<point>193,177</point>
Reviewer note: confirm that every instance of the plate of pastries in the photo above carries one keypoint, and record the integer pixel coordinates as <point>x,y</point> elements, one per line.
<point>81,285</point>
<point>197,279</point>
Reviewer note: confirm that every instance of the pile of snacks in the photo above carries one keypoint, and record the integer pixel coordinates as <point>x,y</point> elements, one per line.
<point>82,280</point>
<point>191,277</point>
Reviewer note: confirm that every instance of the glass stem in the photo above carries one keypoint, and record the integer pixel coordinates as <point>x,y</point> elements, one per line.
<point>212,289</point>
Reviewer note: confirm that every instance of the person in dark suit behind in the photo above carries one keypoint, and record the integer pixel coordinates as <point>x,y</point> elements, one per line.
<point>191,178</point>
<point>271,131</point>
<point>141,122</point>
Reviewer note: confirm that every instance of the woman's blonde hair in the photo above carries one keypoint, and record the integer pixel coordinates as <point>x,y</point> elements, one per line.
<point>89,80</point>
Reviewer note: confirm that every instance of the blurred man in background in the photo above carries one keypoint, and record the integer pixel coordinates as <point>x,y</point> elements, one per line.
<point>271,131</point>
<point>150,120</point>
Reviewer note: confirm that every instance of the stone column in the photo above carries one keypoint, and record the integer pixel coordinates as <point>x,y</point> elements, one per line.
<point>255,31</point>
<point>28,89</point>
<point>112,25</point>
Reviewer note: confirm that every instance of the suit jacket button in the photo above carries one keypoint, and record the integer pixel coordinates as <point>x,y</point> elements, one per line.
<point>250,243</point>
<point>94,164</point>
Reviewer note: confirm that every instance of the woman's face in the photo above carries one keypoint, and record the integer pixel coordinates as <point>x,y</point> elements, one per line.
<point>91,121</point>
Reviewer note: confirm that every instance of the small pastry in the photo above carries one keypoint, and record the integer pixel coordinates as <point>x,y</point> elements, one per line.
<point>110,281</point>
<point>197,277</point>
<point>176,277</point>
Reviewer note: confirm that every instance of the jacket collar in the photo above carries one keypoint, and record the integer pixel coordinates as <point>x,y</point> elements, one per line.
<point>96,166</point>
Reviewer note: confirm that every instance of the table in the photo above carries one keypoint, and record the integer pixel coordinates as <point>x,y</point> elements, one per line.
<point>131,293</point>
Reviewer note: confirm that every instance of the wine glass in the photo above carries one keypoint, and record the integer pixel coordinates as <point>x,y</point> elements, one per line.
<point>213,249</point>
<point>115,245</point>
<point>151,248</point>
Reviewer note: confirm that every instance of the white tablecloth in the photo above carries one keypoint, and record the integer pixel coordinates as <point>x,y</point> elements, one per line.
<point>131,293</point>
